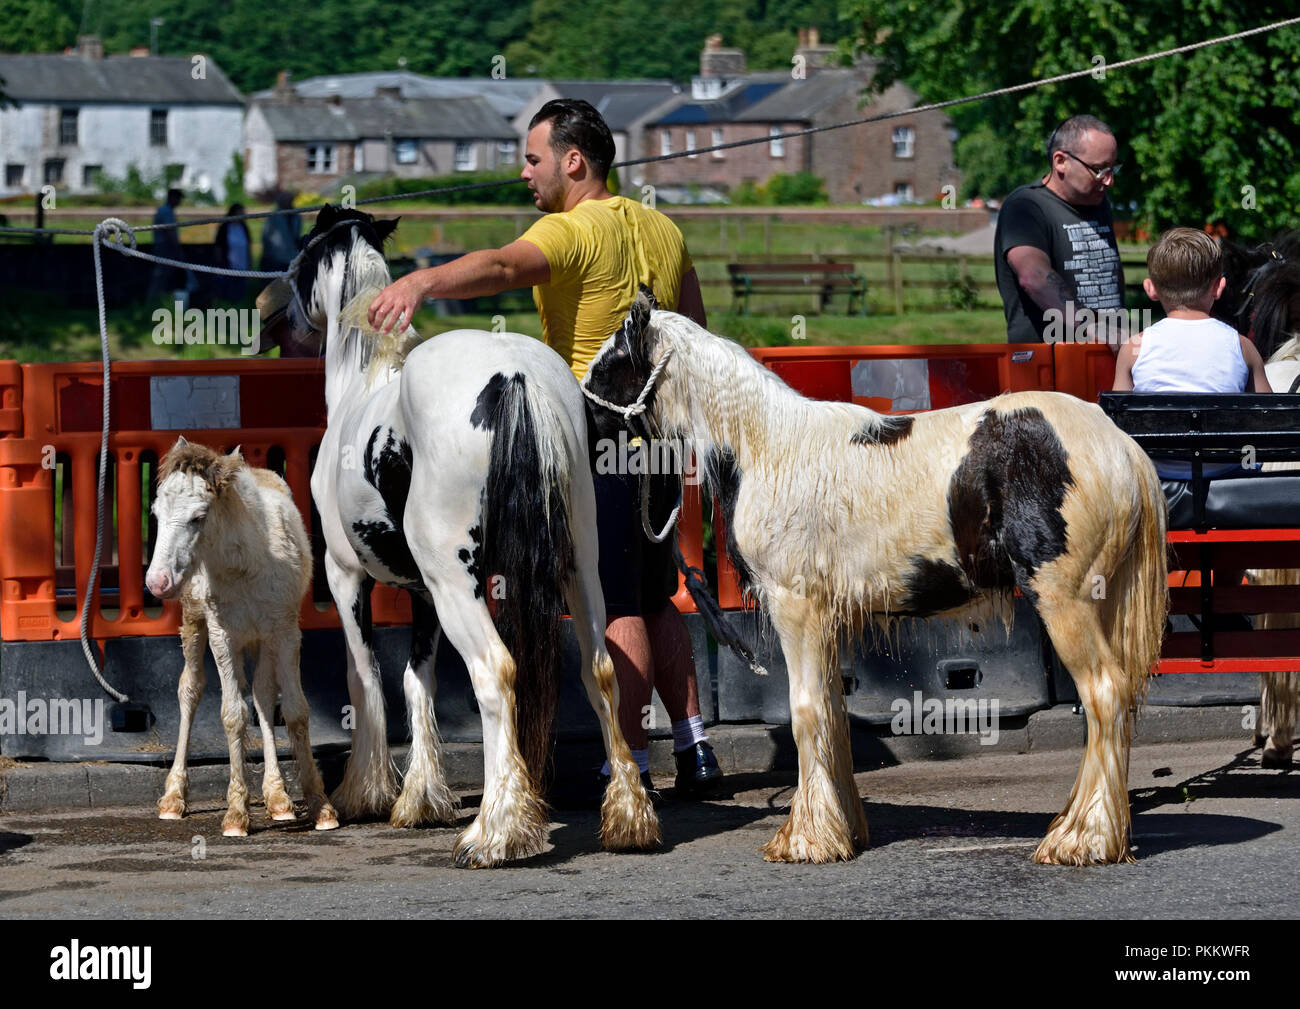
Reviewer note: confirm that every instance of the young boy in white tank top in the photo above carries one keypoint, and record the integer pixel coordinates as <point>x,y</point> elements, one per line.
<point>1188,351</point>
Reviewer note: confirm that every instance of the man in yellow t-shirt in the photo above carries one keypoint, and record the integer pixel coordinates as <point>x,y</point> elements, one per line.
<point>584,261</point>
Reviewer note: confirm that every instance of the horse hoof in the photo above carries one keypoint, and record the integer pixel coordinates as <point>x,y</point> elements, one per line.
<point>1276,758</point>
<point>170,814</point>
<point>234,832</point>
<point>289,815</point>
<point>330,823</point>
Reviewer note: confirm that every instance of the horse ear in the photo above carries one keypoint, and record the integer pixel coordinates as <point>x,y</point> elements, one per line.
<point>385,228</point>
<point>638,319</point>
<point>326,218</point>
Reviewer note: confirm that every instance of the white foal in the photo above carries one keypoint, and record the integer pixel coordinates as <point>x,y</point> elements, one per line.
<point>232,546</point>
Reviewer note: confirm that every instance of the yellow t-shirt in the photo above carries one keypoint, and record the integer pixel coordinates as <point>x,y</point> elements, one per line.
<point>598,253</point>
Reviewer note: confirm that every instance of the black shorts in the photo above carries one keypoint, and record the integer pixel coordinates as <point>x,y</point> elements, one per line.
<point>636,575</point>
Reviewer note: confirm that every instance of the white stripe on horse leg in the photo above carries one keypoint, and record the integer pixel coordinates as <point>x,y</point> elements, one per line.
<point>826,821</point>
<point>296,719</point>
<point>512,821</point>
<point>369,785</point>
<point>1093,827</point>
<point>627,817</point>
<point>194,642</point>
<point>234,719</point>
<point>278,804</point>
<point>425,797</point>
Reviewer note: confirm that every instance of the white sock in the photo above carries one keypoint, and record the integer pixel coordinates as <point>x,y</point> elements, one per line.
<point>642,758</point>
<point>688,732</point>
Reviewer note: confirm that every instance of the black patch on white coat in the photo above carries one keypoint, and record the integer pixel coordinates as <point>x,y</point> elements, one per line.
<point>485,407</point>
<point>724,479</point>
<point>888,431</point>
<point>361,609</point>
<point>620,370</point>
<point>1004,509</point>
<point>424,629</point>
<point>473,561</point>
<point>387,468</point>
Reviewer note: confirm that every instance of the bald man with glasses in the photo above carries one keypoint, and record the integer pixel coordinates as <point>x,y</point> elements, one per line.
<point>1055,255</point>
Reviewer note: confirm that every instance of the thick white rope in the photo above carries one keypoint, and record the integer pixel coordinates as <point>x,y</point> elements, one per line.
<point>630,410</point>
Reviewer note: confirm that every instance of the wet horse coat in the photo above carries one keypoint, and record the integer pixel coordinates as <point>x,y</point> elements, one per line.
<point>836,515</point>
<point>455,468</point>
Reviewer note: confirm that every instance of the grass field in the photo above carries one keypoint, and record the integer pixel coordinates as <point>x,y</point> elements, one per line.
<point>35,328</point>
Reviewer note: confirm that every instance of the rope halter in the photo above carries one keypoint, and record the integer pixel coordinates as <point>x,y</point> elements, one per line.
<point>636,409</point>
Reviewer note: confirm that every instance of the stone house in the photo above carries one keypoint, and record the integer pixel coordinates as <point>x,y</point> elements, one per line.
<point>308,143</point>
<point>908,158</point>
<point>76,114</point>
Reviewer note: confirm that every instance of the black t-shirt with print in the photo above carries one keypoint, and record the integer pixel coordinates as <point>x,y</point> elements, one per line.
<point>1079,241</point>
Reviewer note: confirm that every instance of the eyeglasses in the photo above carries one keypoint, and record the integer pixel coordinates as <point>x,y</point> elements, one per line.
<point>1097,173</point>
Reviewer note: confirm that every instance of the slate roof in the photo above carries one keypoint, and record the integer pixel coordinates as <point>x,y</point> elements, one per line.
<point>766,98</point>
<point>151,80</point>
<point>507,97</point>
<point>465,118</point>
<point>620,103</point>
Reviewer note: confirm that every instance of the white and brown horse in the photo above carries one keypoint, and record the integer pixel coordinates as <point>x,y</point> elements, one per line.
<point>232,547</point>
<point>457,469</point>
<point>836,515</point>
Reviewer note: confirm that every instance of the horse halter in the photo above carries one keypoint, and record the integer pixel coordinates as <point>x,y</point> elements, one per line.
<point>637,409</point>
<point>634,409</point>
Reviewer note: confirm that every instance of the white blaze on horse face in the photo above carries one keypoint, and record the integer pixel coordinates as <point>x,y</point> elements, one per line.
<point>180,508</point>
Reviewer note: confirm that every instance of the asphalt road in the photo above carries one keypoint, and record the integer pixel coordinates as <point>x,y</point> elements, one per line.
<point>1216,836</point>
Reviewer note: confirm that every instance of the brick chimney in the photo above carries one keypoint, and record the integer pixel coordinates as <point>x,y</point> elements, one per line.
<point>283,93</point>
<point>815,54</point>
<point>717,61</point>
<point>90,47</point>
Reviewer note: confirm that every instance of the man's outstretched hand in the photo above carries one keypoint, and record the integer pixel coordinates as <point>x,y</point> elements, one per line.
<point>395,305</point>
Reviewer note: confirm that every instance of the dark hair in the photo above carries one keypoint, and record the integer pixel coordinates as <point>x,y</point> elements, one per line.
<point>174,195</point>
<point>575,123</point>
<point>1070,132</point>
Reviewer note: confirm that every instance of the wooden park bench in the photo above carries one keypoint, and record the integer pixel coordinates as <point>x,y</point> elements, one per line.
<point>823,279</point>
<point>1228,523</point>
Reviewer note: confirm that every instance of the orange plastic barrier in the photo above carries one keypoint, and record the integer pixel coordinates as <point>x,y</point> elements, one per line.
<point>50,417</point>
<point>955,374</point>
<point>1084,370</point>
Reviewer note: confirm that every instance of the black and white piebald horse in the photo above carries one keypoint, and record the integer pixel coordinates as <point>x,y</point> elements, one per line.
<point>453,468</point>
<point>836,515</point>
<point>1262,298</point>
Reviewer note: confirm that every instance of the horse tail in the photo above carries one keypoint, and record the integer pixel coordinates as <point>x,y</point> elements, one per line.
<point>1136,602</point>
<point>529,544</point>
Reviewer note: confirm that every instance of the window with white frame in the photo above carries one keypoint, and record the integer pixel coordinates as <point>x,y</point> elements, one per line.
<point>665,142</point>
<point>903,190</point>
<point>466,156</point>
<point>90,176</point>
<point>717,139</point>
<point>406,151</point>
<point>358,157</point>
<point>507,152</point>
<point>53,173</point>
<point>776,146</point>
<point>14,175</point>
<point>690,143</point>
<point>322,159</point>
<point>904,140</point>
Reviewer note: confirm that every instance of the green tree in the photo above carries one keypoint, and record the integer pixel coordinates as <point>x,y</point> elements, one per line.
<point>34,26</point>
<point>1209,135</point>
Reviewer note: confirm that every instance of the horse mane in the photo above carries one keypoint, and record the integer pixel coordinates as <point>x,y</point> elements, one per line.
<point>189,457</point>
<point>379,355</point>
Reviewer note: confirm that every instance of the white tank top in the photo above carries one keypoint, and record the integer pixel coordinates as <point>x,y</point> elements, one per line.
<point>1190,355</point>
